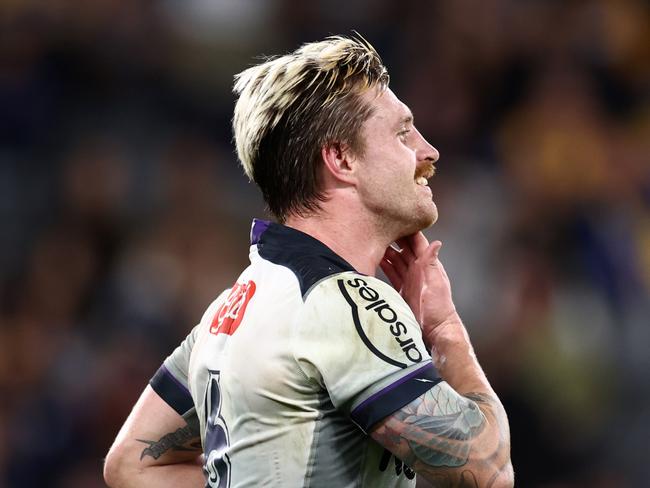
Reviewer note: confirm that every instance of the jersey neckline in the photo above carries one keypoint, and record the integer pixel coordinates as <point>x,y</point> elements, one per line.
<point>307,257</point>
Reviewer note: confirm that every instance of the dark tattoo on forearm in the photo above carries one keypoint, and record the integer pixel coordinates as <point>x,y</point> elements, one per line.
<point>183,439</point>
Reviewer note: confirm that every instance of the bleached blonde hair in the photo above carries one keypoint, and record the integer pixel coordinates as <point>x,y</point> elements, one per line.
<point>290,107</point>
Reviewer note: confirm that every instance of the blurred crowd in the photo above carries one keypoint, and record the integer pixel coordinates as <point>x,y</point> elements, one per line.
<point>124,211</point>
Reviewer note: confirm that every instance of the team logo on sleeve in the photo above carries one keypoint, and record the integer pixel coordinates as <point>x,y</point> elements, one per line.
<point>359,295</point>
<point>231,312</point>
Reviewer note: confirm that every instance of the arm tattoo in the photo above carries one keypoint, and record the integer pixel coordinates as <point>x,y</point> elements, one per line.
<point>440,425</point>
<point>454,440</point>
<point>439,428</point>
<point>183,439</point>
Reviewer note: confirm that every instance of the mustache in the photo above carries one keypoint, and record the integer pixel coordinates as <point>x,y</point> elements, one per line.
<point>426,171</point>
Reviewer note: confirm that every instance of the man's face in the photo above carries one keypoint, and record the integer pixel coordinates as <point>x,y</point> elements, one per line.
<point>395,167</point>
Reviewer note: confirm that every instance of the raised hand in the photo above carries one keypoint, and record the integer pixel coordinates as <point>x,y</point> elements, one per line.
<point>416,272</point>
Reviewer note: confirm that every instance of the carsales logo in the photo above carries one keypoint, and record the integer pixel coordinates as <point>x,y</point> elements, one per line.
<point>389,318</point>
<point>231,312</point>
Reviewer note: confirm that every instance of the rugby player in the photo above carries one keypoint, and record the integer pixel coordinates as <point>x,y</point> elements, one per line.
<point>310,371</point>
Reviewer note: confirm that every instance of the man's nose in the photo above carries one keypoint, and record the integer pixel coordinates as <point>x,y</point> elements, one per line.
<point>426,151</point>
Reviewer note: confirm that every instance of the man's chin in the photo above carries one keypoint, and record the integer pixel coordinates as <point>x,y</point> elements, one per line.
<point>423,220</point>
<point>425,224</point>
<point>403,224</point>
<point>429,217</point>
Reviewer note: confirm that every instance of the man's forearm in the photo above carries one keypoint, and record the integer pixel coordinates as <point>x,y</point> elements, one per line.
<point>455,360</point>
<point>454,357</point>
<point>456,434</point>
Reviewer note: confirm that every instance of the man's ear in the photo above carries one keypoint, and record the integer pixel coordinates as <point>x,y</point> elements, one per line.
<point>339,162</point>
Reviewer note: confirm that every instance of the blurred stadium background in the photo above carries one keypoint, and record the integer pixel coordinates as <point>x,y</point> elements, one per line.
<point>124,211</point>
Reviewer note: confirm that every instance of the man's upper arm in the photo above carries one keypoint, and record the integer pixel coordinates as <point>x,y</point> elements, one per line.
<point>449,438</point>
<point>155,434</point>
<point>156,446</point>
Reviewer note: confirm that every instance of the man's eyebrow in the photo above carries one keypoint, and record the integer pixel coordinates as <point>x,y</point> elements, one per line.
<point>407,119</point>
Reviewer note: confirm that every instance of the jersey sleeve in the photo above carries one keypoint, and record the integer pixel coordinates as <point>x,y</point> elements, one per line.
<point>359,340</point>
<point>170,381</point>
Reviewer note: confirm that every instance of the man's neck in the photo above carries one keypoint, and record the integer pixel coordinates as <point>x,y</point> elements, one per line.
<point>356,240</point>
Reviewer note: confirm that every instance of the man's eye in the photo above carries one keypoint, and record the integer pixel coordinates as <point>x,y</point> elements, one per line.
<point>403,133</point>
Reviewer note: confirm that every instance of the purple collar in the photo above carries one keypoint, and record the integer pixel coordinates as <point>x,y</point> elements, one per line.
<point>257,229</point>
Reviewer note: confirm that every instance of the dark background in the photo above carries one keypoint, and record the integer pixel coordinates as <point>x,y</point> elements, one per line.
<point>124,211</point>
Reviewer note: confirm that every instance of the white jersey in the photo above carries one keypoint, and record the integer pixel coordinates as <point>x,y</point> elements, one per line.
<point>290,369</point>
